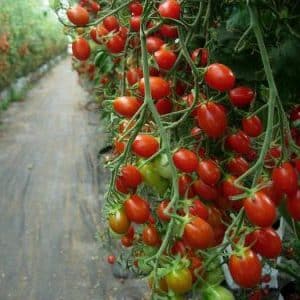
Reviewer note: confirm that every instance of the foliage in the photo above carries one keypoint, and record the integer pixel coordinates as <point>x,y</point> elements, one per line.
<point>29,36</point>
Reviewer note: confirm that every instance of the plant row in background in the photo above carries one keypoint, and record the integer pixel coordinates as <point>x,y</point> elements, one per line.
<point>29,37</point>
<point>201,100</point>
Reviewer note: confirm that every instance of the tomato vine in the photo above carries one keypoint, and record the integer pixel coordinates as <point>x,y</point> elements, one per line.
<point>203,157</point>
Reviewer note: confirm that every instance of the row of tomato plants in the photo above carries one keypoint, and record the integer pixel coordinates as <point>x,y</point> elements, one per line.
<point>203,164</point>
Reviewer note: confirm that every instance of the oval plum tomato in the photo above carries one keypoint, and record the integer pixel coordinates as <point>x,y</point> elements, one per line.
<point>111,23</point>
<point>185,160</point>
<point>237,166</point>
<point>196,132</point>
<point>151,236</point>
<point>133,75</point>
<point>200,56</point>
<point>228,187</point>
<point>136,8</point>
<point>198,209</point>
<point>169,9</point>
<point>164,106</point>
<point>160,211</point>
<point>131,176</point>
<point>265,241</point>
<point>285,178</point>
<point>204,190</point>
<point>126,106</point>
<point>153,43</point>
<point>260,210</point>
<point>130,232</point>
<point>252,126</point>
<point>111,259</point>
<point>168,31</point>
<point>126,241</point>
<point>165,58</point>
<point>219,77</point>
<point>209,171</point>
<point>239,142</point>
<point>137,209</point>
<point>178,248</point>
<point>179,280</point>
<point>293,205</point>
<point>116,44</point>
<point>241,96</point>
<point>198,234</point>
<point>78,15</point>
<point>195,267</point>
<point>121,186</point>
<point>273,193</point>
<point>94,35</point>
<point>159,87</point>
<point>119,222</point>
<point>212,119</point>
<point>135,23</point>
<point>245,269</point>
<point>145,145</point>
<point>81,49</point>
<point>94,7</point>
<point>185,186</point>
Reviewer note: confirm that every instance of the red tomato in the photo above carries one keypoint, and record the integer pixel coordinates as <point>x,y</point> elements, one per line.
<point>159,87</point>
<point>198,234</point>
<point>119,147</point>
<point>169,9</point>
<point>133,75</point>
<point>185,160</point>
<point>111,23</point>
<point>195,267</point>
<point>165,58</point>
<point>200,56</point>
<point>260,210</point>
<point>285,178</point>
<point>266,242</point>
<point>135,23</point>
<point>94,35</point>
<point>131,176</point>
<point>239,142</point>
<point>273,193</point>
<point>212,119</point>
<point>252,126</point>
<point>178,248</point>
<point>237,166</point>
<point>153,43</point>
<point>273,154</point>
<point>78,15</point>
<point>246,269</point>
<point>126,106</point>
<point>151,236</point>
<point>116,44</point>
<point>189,99</point>
<point>204,190</point>
<point>228,188</point>
<point>164,106</point>
<point>136,8</point>
<point>241,96</point>
<point>196,132</point>
<point>145,145</point>
<point>209,171</point>
<point>123,32</point>
<point>185,186</point>
<point>168,31</point>
<point>121,186</point>
<point>219,77</point>
<point>295,113</point>
<point>126,241</point>
<point>137,209</point>
<point>198,209</point>
<point>94,7</point>
<point>81,49</point>
<point>293,205</point>
<point>160,211</point>
<point>111,259</point>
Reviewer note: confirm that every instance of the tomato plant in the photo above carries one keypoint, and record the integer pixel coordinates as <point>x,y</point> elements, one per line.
<point>203,121</point>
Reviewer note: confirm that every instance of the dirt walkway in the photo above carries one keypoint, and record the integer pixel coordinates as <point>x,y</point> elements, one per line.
<point>49,196</point>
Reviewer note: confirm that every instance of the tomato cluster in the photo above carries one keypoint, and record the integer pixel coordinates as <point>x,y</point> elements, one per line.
<point>196,165</point>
